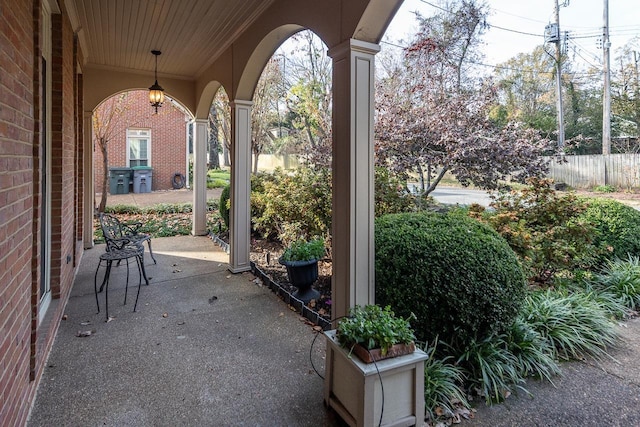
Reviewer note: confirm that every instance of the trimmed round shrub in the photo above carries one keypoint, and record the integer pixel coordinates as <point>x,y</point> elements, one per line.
<point>618,227</point>
<point>224,204</point>
<point>458,276</point>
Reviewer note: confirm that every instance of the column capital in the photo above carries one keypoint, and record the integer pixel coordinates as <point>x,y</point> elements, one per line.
<point>353,45</point>
<point>241,103</point>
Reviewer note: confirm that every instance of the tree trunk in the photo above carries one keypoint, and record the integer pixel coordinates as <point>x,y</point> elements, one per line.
<point>214,144</point>
<point>256,154</point>
<point>226,155</point>
<point>105,175</point>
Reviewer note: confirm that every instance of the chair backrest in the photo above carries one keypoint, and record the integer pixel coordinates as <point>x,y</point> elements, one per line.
<point>111,227</point>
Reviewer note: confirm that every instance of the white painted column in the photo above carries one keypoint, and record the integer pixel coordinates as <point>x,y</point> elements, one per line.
<point>200,178</point>
<point>353,174</point>
<point>89,194</point>
<point>240,214</point>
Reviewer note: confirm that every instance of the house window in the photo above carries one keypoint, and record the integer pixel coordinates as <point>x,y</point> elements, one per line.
<point>139,147</point>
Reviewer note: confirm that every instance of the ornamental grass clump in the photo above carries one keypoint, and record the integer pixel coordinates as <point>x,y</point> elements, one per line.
<point>442,385</point>
<point>622,279</point>
<point>575,325</point>
<point>492,370</point>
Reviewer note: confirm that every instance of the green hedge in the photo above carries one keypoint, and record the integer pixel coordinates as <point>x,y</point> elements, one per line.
<point>458,276</point>
<point>618,227</point>
<point>225,204</point>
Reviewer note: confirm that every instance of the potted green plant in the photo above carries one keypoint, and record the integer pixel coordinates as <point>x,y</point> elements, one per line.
<point>353,385</point>
<point>375,333</point>
<point>301,260</point>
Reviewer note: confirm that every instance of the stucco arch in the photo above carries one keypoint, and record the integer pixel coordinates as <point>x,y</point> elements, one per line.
<point>258,59</point>
<point>132,89</point>
<point>101,84</point>
<point>206,98</point>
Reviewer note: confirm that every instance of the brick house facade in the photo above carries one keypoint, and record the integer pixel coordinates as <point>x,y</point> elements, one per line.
<point>41,191</point>
<point>167,140</point>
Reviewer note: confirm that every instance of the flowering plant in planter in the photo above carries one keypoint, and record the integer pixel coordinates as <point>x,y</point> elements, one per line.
<point>372,327</point>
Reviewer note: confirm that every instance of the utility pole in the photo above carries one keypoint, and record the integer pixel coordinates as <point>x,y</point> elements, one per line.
<point>559,81</point>
<point>606,97</point>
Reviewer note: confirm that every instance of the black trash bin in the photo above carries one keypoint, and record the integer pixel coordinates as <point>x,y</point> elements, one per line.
<point>119,180</point>
<point>142,176</point>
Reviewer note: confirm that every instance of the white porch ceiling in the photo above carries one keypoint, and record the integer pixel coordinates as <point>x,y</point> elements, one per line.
<point>120,34</point>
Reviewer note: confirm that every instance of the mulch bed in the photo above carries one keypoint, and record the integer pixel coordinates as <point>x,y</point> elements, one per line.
<point>264,256</point>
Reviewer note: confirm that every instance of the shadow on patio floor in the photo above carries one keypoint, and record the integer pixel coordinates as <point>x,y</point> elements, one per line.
<point>205,347</point>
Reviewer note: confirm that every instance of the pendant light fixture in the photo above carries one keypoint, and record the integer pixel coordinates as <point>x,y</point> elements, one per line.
<point>156,93</point>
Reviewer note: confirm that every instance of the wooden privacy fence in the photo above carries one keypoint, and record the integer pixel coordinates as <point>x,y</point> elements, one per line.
<point>618,170</point>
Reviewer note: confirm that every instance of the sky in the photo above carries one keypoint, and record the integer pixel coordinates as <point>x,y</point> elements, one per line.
<point>583,19</point>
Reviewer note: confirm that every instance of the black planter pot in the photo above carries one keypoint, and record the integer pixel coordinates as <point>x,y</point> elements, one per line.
<point>302,274</point>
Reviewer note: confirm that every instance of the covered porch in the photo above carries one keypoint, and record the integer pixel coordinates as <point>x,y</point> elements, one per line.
<point>205,347</point>
<point>205,48</point>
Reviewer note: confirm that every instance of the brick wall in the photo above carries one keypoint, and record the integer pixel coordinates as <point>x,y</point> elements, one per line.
<point>16,150</point>
<point>25,339</point>
<point>63,173</point>
<point>168,138</point>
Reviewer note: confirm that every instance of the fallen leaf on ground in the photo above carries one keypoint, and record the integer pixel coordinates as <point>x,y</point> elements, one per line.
<point>85,323</point>
<point>109,319</point>
<point>281,314</point>
<point>464,413</point>
<point>212,299</point>
<point>83,334</point>
<point>317,328</point>
<point>180,322</point>
<point>177,271</point>
<point>165,315</point>
<point>64,317</point>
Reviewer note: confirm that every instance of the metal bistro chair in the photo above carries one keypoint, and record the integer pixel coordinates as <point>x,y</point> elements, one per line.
<point>119,250</point>
<point>115,230</point>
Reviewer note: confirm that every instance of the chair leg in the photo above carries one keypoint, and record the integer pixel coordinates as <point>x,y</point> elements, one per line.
<point>140,261</point>
<point>151,252</point>
<point>126,287</point>
<point>95,285</point>
<point>105,279</point>
<point>106,292</point>
<point>144,272</point>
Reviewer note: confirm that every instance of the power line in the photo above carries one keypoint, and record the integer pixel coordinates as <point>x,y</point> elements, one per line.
<point>514,31</point>
<point>498,67</point>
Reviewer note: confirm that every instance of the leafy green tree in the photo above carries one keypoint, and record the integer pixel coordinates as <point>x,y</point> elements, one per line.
<point>527,89</point>
<point>220,115</point>
<point>625,91</point>
<point>265,110</point>
<point>308,100</point>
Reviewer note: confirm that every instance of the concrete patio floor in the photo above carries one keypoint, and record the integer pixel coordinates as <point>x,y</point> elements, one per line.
<point>205,348</point>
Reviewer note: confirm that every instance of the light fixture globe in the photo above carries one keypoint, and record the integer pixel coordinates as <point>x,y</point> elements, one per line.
<point>156,92</point>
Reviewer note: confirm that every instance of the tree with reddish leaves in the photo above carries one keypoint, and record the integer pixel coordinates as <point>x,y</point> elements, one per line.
<point>433,116</point>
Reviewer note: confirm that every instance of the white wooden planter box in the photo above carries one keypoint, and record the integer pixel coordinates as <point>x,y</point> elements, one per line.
<point>352,388</point>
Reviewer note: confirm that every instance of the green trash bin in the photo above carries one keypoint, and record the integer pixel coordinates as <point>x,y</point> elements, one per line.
<point>142,176</point>
<point>119,180</point>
